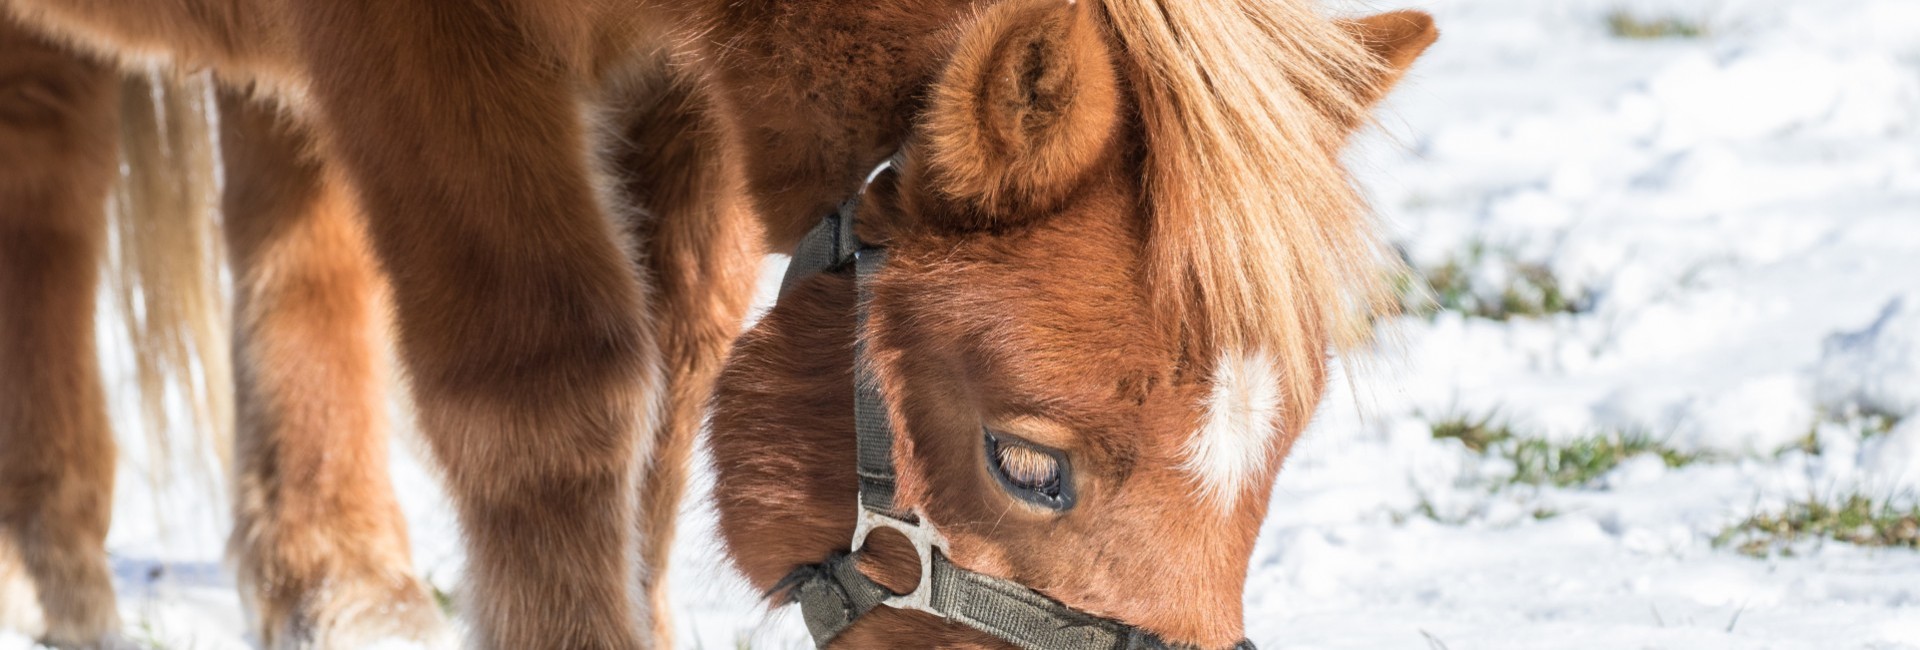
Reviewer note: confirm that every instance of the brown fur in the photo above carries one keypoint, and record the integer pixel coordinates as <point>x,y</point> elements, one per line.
<point>821,91</point>
<point>556,194</point>
<point>1039,324</point>
<point>1028,104</point>
<point>701,253</point>
<point>57,160</point>
<point>318,537</point>
<point>1396,38</point>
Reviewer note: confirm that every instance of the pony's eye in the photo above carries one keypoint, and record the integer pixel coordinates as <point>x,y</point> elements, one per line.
<point>1033,473</point>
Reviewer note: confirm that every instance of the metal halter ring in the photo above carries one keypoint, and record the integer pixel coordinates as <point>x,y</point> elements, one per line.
<point>925,540</point>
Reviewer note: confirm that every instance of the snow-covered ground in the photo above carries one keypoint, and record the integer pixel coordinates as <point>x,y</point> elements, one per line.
<point>1737,217</point>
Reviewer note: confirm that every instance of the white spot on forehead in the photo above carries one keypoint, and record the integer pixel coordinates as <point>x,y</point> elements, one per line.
<point>1242,422</point>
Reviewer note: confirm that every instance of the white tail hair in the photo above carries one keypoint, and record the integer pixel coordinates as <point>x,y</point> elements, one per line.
<point>165,262</point>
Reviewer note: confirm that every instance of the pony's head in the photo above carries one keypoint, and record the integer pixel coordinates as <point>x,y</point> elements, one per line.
<point>1120,251</point>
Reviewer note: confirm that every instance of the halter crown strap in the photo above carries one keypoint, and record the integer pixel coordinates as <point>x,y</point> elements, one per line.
<point>831,244</point>
<point>834,593</point>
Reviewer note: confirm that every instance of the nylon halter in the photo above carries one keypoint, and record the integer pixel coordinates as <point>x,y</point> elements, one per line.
<point>834,593</point>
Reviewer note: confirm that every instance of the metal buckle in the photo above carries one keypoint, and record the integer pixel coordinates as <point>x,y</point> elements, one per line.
<point>925,540</point>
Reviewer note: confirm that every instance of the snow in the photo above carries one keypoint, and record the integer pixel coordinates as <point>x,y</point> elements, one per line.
<point>1742,211</point>
<point>1876,367</point>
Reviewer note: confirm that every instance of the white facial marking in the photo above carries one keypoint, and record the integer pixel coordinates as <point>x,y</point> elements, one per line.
<point>1242,423</point>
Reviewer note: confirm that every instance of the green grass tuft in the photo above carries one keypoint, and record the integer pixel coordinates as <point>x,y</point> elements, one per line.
<point>443,599</point>
<point>1808,444</point>
<point>1580,462</point>
<point>1536,462</point>
<point>1478,434</point>
<point>1866,423</point>
<point>1855,519</point>
<point>1875,423</point>
<point>146,636</point>
<point>1531,291</point>
<point>1572,463</point>
<point>1625,24</point>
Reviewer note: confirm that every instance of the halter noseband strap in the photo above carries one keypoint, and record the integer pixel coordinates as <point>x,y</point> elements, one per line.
<point>834,593</point>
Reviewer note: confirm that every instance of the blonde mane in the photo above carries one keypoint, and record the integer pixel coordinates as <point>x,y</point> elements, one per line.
<point>1259,242</point>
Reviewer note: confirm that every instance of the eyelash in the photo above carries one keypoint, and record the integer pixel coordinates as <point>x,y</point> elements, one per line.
<point>1030,472</point>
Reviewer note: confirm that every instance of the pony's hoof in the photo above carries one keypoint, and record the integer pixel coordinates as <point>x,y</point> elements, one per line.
<point>20,611</point>
<point>343,615</point>
<point>109,641</point>
<point>80,617</point>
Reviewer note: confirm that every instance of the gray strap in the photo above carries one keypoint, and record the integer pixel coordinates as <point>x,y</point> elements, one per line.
<point>829,245</point>
<point>873,427</point>
<point>834,594</point>
<point>1019,615</point>
<point>832,244</point>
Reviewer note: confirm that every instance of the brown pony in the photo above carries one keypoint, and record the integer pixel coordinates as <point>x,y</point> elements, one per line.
<point>1119,228</point>
<point>1047,322</point>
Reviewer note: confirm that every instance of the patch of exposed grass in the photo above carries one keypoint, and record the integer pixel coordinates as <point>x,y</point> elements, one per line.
<point>1458,514</point>
<point>1623,23</point>
<point>1875,423</point>
<point>1863,422</point>
<point>1429,510</point>
<point>442,598</point>
<point>145,636</point>
<point>1478,434</point>
<point>1529,289</point>
<point>1580,462</point>
<point>1572,463</point>
<point>1855,519</point>
<point>1808,444</point>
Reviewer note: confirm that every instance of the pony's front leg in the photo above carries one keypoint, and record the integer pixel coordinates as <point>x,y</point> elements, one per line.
<point>318,537</point>
<point>702,253</point>
<point>518,303</point>
<point>57,162</point>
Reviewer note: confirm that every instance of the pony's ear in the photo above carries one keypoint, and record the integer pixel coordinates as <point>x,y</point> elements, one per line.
<point>1396,39</point>
<point>1027,105</point>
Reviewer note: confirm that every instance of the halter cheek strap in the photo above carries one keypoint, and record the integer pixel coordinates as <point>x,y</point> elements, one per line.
<point>832,245</point>
<point>834,594</point>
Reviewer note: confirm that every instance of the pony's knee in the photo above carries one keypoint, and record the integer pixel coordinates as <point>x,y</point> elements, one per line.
<point>541,440</point>
<point>526,404</point>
